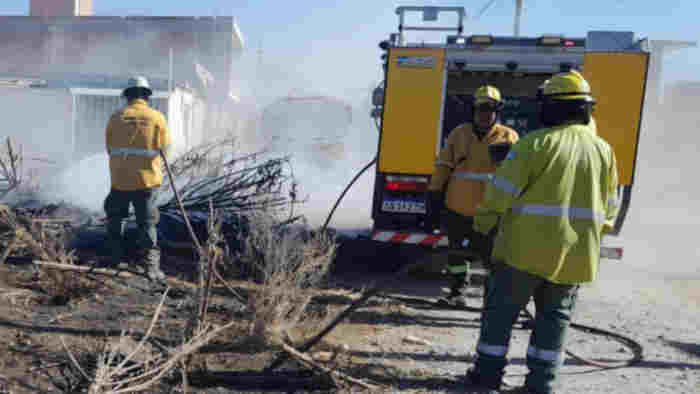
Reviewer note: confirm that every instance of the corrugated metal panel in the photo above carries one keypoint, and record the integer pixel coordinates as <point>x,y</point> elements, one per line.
<point>111,92</point>
<point>92,114</point>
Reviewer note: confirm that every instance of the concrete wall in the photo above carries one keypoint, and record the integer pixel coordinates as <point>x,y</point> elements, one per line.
<point>34,46</point>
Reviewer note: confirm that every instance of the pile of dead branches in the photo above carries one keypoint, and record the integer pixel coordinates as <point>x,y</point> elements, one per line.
<point>234,185</point>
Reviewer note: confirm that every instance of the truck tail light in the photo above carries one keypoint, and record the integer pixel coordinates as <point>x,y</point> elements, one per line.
<point>408,184</point>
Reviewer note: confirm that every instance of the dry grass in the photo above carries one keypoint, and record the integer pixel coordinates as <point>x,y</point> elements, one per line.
<point>125,365</point>
<point>291,264</point>
<point>289,267</point>
<point>25,237</point>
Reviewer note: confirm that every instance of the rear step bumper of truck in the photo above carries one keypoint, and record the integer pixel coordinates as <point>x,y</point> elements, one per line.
<point>440,240</point>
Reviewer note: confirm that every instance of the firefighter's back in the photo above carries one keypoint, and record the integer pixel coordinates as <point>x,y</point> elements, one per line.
<point>565,200</point>
<point>139,131</point>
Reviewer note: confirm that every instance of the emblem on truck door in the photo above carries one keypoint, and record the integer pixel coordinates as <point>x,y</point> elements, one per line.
<point>416,61</point>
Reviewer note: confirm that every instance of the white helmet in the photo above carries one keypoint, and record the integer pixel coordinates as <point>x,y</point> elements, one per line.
<point>138,82</point>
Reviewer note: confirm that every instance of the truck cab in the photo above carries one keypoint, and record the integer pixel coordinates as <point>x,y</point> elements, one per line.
<point>427,92</point>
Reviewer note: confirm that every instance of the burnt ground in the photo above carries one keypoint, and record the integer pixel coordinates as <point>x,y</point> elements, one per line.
<point>403,346</point>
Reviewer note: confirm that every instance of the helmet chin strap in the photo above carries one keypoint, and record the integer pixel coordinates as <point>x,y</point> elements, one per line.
<point>481,132</point>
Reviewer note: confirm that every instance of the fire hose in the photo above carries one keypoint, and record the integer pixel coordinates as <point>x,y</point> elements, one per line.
<point>634,346</point>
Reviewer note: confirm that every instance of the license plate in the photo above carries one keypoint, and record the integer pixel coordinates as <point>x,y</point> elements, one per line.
<point>403,206</point>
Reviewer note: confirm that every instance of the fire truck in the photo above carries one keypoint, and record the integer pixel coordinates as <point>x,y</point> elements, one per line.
<point>427,91</point>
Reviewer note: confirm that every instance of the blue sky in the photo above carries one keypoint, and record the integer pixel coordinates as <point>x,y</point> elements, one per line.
<point>322,46</point>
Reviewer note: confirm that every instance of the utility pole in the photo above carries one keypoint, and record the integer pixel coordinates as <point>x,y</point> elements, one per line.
<point>516,19</point>
<point>518,14</point>
<point>258,68</point>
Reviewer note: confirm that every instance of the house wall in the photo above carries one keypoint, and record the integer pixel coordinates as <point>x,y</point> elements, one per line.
<point>34,46</point>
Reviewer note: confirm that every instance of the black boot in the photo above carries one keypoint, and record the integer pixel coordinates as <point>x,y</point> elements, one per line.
<point>458,292</point>
<point>475,379</point>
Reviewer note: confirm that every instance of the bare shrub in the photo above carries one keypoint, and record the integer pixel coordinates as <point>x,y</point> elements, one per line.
<point>26,237</point>
<point>289,265</point>
<point>11,161</point>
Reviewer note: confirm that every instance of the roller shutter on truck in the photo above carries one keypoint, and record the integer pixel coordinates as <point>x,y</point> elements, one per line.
<point>617,69</point>
<point>412,111</point>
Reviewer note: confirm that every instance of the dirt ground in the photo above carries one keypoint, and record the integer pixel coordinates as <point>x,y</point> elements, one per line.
<point>402,346</point>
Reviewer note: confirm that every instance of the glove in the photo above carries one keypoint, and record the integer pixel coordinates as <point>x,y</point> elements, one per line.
<point>436,203</point>
<point>498,152</point>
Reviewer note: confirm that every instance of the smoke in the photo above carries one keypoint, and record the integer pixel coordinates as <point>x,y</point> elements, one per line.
<point>327,150</point>
<point>84,184</point>
<point>316,69</point>
<point>659,235</point>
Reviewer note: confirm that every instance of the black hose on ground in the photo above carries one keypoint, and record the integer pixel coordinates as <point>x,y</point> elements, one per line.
<point>635,347</point>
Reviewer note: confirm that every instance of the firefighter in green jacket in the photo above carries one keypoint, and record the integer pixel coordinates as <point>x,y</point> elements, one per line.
<point>554,196</point>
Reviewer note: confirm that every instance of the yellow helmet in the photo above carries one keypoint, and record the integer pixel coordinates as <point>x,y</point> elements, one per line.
<point>567,86</point>
<point>487,95</point>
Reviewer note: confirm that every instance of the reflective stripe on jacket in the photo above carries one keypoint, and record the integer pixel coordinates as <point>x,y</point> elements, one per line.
<point>556,194</point>
<point>132,152</point>
<point>464,166</point>
<point>134,136</point>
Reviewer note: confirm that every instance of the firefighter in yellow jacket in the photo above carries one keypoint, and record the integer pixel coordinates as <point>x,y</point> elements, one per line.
<point>135,135</point>
<point>463,168</point>
<point>555,195</point>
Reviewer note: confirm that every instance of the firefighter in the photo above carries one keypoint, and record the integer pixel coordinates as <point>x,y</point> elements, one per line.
<point>555,195</point>
<point>135,135</point>
<point>463,167</point>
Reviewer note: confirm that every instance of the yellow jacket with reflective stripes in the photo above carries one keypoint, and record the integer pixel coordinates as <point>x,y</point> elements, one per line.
<point>134,136</point>
<point>464,166</point>
<point>555,194</point>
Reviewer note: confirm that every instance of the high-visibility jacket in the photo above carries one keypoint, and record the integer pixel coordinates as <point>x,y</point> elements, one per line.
<point>593,126</point>
<point>134,136</point>
<point>464,166</point>
<point>555,195</point>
